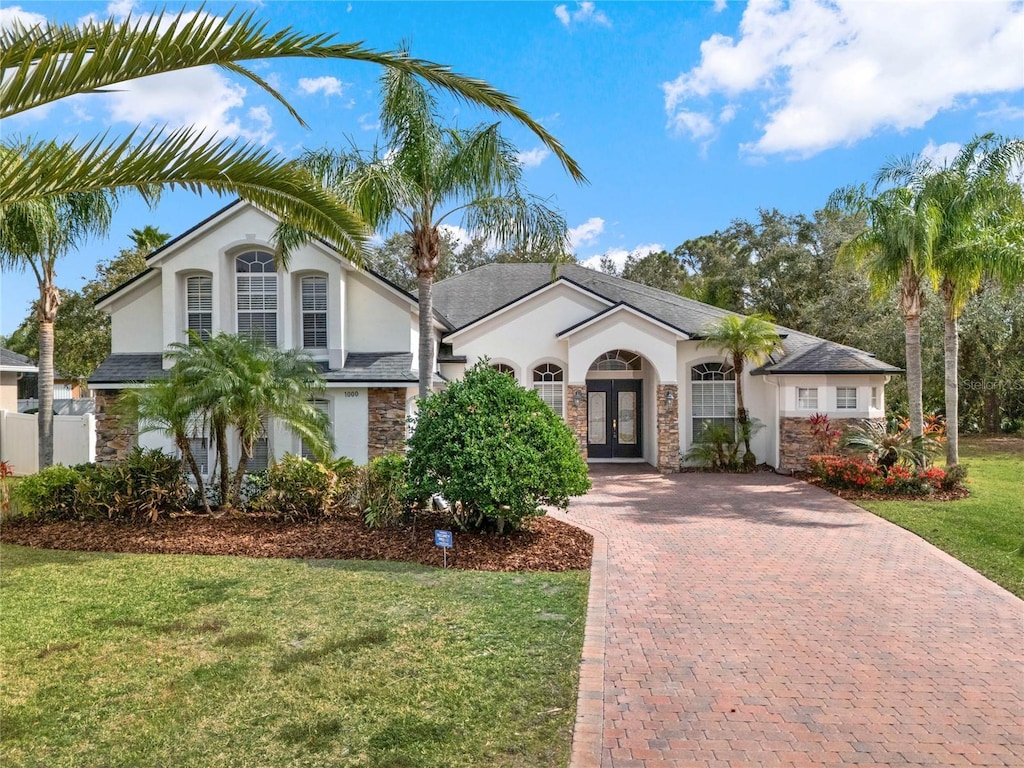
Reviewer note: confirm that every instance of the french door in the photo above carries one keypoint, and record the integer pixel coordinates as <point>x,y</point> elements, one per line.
<point>614,419</point>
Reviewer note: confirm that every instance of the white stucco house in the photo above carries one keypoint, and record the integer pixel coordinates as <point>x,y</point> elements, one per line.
<point>621,362</point>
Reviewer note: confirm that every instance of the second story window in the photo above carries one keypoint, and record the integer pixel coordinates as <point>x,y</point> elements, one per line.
<point>256,284</point>
<point>199,300</point>
<point>314,312</point>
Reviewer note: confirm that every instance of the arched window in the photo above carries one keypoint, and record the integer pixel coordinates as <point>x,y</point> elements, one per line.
<point>547,380</point>
<point>314,312</point>
<point>256,284</point>
<point>713,394</point>
<point>504,368</point>
<point>617,360</point>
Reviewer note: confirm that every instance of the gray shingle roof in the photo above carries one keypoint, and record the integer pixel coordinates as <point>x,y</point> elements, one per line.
<point>383,367</point>
<point>472,295</point>
<point>10,359</point>
<point>124,368</point>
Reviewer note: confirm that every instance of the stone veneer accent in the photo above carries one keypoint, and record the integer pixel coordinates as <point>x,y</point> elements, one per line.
<point>668,428</point>
<point>796,442</point>
<point>386,432</point>
<point>576,415</point>
<point>114,439</point>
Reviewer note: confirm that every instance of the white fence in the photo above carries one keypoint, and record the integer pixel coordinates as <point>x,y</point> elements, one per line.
<point>62,406</point>
<point>74,440</point>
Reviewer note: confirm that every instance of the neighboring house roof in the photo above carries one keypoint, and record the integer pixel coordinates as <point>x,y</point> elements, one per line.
<point>473,295</point>
<point>363,367</point>
<point>12,361</point>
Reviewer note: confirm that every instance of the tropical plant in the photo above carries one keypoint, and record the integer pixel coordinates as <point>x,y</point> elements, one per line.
<point>495,451</point>
<point>980,233</point>
<point>745,340</point>
<point>890,446</point>
<point>717,449</point>
<point>382,490</point>
<point>34,234</point>
<point>303,490</point>
<point>46,63</point>
<point>896,251</point>
<point>236,382</point>
<point>427,174</point>
<point>825,436</point>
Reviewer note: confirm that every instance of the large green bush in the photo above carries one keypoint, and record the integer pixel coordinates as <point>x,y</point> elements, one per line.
<point>495,451</point>
<point>304,490</point>
<point>383,490</point>
<point>49,494</point>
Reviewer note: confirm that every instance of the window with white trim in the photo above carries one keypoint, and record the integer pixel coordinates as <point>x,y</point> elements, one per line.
<point>617,360</point>
<point>324,407</point>
<point>846,398</point>
<point>548,382</point>
<point>875,401</point>
<point>314,312</point>
<point>713,395</point>
<point>256,284</point>
<point>807,398</point>
<point>504,368</point>
<point>199,305</point>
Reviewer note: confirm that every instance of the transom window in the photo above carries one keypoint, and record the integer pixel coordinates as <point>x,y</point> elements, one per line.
<point>257,296</point>
<point>713,394</point>
<point>504,368</point>
<point>547,381</point>
<point>807,398</point>
<point>314,312</point>
<point>199,305</point>
<point>617,360</point>
<point>846,398</point>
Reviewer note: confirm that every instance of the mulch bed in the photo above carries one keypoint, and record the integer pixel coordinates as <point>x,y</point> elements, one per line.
<point>852,495</point>
<point>544,544</point>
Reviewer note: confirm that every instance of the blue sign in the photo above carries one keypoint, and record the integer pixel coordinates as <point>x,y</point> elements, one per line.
<point>443,539</point>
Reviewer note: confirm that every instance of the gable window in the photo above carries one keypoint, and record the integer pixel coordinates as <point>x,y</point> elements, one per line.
<point>846,398</point>
<point>807,398</point>
<point>256,283</point>
<point>713,394</point>
<point>199,305</point>
<point>314,312</point>
<point>325,408</point>
<point>547,381</point>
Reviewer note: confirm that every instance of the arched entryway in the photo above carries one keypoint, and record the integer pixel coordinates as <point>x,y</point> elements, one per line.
<point>616,418</point>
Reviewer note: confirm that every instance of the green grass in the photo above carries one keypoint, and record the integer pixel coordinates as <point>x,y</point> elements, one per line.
<point>125,660</point>
<point>985,531</point>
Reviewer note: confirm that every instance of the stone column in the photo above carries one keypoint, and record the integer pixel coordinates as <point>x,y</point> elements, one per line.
<point>386,433</point>
<point>576,415</point>
<point>114,438</point>
<point>668,428</point>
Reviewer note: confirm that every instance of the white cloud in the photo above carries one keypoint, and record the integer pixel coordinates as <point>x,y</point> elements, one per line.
<point>719,6</point>
<point>461,237</point>
<point>586,233</point>
<point>327,85</point>
<point>833,72</point>
<point>940,154</point>
<point>532,158</point>
<point>120,8</point>
<point>10,17</point>
<point>728,113</point>
<point>368,122</point>
<point>619,255</point>
<point>584,13</point>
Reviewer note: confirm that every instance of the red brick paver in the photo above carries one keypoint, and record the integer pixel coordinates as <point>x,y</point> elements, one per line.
<point>757,621</point>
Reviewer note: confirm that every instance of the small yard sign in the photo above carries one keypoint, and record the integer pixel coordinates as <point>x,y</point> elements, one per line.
<point>443,539</point>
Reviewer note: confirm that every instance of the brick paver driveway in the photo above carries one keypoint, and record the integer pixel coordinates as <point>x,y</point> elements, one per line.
<point>754,620</point>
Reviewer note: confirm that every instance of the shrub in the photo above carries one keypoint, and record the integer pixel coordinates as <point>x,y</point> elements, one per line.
<point>50,493</point>
<point>145,484</point>
<point>716,450</point>
<point>301,489</point>
<point>955,477</point>
<point>825,436</point>
<point>382,490</point>
<point>845,472</point>
<point>495,451</point>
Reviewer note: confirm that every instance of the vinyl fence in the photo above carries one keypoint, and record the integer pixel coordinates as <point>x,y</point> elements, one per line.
<point>74,440</point>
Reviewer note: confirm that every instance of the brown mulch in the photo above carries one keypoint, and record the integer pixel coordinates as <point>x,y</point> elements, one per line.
<point>852,495</point>
<point>544,544</point>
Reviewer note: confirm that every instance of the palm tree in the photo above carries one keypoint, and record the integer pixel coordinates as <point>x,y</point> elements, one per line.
<point>896,251</point>
<point>745,339</point>
<point>235,382</point>
<point>980,235</point>
<point>164,406</point>
<point>35,234</point>
<point>427,174</point>
<point>43,64</point>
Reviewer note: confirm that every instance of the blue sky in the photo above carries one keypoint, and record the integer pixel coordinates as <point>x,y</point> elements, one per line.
<point>683,115</point>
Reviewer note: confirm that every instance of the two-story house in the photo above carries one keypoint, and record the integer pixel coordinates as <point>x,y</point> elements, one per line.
<point>621,362</point>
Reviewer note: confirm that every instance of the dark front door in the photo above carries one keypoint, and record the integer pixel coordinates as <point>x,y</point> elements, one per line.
<point>613,419</point>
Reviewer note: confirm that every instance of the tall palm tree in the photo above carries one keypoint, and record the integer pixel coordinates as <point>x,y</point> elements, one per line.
<point>46,63</point>
<point>980,234</point>
<point>896,251</point>
<point>34,234</point>
<point>427,174</point>
<point>235,382</point>
<point>749,339</point>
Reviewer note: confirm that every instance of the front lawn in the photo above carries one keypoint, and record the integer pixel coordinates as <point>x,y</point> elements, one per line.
<point>985,531</point>
<point>127,660</point>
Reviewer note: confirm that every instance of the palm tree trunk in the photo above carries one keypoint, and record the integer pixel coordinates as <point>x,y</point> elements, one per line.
<point>188,457</point>
<point>951,348</point>
<point>741,411</point>
<point>912,339</point>
<point>49,300</point>
<point>221,436</point>
<point>236,484</point>
<point>426,253</point>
